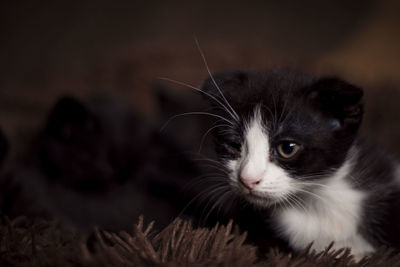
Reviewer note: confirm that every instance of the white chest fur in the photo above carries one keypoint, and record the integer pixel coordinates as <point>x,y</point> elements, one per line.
<point>333,215</point>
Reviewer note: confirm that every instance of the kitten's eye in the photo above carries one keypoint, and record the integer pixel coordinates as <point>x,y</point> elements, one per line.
<point>235,145</point>
<point>288,149</point>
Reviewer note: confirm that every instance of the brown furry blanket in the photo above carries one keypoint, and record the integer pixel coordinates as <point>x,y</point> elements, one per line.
<point>179,244</point>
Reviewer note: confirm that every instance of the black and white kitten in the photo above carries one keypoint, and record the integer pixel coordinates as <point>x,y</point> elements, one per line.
<point>289,143</point>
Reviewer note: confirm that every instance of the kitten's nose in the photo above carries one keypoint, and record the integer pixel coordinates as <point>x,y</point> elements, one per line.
<point>250,181</point>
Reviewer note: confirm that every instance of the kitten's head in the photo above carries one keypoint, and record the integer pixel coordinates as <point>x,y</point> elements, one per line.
<point>283,130</point>
<point>73,148</point>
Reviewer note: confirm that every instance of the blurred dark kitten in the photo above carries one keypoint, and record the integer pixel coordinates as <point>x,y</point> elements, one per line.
<point>3,146</point>
<point>97,163</point>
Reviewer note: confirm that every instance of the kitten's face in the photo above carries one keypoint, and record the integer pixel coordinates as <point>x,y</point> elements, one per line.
<point>73,148</point>
<point>291,131</point>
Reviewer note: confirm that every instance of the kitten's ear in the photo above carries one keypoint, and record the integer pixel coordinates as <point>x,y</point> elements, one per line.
<point>340,99</point>
<point>225,83</point>
<point>69,116</point>
<point>3,146</point>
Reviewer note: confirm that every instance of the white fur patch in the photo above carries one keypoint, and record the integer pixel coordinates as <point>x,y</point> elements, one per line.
<point>333,216</point>
<point>254,162</point>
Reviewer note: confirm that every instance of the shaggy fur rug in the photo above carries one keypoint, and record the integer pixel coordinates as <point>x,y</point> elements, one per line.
<point>180,244</point>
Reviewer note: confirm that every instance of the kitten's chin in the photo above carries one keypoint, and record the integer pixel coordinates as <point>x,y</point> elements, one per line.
<point>256,198</point>
<point>261,200</point>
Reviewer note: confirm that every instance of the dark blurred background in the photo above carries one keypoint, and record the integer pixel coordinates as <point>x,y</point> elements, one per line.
<point>53,48</point>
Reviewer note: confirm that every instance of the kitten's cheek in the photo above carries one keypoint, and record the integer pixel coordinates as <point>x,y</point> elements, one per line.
<point>232,167</point>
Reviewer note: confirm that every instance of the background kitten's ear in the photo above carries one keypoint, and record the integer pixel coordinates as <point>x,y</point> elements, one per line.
<point>3,146</point>
<point>226,82</point>
<point>340,99</point>
<point>69,117</point>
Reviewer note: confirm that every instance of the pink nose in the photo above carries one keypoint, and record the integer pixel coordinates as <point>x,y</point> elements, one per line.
<point>250,182</point>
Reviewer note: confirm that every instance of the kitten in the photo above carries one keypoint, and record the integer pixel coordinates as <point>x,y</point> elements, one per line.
<point>3,146</point>
<point>98,163</point>
<point>289,143</point>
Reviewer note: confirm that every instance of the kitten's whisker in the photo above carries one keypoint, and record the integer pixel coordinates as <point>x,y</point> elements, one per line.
<point>271,190</point>
<point>212,195</point>
<point>275,121</point>
<point>217,168</point>
<point>288,199</point>
<point>217,203</point>
<point>298,201</point>
<point>194,113</point>
<point>207,191</point>
<point>311,193</point>
<point>210,160</point>
<point>205,135</point>
<point>283,109</point>
<point>228,195</point>
<point>312,184</point>
<point>271,114</point>
<point>210,178</point>
<point>212,78</point>
<point>225,108</point>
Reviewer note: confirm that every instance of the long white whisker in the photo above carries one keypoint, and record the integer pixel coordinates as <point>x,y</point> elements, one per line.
<point>298,201</point>
<point>212,78</point>
<point>234,116</point>
<point>312,184</point>
<point>194,113</point>
<point>310,193</point>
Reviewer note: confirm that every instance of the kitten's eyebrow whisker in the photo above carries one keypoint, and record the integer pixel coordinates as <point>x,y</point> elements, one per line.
<point>276,121</point>
<point>271,114</point>
<point>205,135</point>
<point>234,116</point>
<point>283,109</point>
<point>194,113</point>
<point>212,78</point>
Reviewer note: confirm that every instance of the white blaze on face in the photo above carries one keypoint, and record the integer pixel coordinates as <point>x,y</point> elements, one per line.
<point>254,164</point>
<point>254,169</point>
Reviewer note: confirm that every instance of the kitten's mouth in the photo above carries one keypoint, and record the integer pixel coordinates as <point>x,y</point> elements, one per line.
<point>259,195</point>
<point>256,197</point>
<point>261,199</point>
